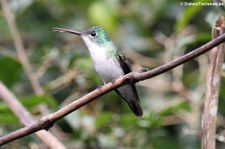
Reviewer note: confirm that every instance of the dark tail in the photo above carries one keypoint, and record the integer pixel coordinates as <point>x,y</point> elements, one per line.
<point>135,107</point>
<point>129,94</point>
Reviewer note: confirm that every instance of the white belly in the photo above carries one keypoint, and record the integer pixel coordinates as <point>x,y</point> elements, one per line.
<point>107,68</point>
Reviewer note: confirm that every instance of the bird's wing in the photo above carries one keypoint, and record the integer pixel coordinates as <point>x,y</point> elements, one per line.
<point>124,63</point>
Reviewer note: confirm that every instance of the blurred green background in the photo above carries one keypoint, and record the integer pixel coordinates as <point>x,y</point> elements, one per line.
<point>149,32</point>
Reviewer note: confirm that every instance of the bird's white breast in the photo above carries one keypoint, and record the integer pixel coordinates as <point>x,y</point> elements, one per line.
<point>108,68</point>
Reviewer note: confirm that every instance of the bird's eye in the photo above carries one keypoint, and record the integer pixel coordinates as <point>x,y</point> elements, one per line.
<point>93,34</point>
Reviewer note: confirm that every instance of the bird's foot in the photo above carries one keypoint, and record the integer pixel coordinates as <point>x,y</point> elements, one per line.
<point>113,81</point>
<point>99,88</point>
<point>128,80</point>
<point>142,70</point>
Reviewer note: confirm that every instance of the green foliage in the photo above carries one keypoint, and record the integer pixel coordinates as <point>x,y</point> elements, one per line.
<point>10,71</point>
<point>32,100</point>
<point>188,14</point>
<point>175,108</point>
<point>103,119</point>
<point>29,102</point>
<point>8,119</point>
<point>103,14</point>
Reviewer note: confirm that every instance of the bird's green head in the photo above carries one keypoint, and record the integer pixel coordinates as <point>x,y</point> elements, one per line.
<point>95,35</point>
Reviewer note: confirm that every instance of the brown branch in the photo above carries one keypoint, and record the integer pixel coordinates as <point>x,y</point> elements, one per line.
<point>26,118</point>
<point>212,89</point>
<point>47,121</point>
<point>20,48</point>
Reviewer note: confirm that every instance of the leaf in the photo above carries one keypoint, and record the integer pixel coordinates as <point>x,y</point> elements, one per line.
<point>102,14</point>
<point>103,119</point>
<point>33,100</point>
<point>175,108</point>
<point>128,120</point>
<point>10,71</point>
<point>30,101</point>
<point>188,14</point>
<point>8,118</point>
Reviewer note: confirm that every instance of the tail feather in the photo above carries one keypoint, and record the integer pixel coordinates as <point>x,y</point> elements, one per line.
<point>129,94</point>
<point>135,107</point>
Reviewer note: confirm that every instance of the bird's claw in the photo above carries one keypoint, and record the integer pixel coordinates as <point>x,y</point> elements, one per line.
<point>129,80</point>
<point>142,70</point>
<point>100,88</point>
<point>113,81</point>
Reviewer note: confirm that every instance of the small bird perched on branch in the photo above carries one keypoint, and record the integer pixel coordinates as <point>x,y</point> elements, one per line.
<point>109,63</point>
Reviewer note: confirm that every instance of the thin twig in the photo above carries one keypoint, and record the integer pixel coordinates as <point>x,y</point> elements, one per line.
<point>26,118</point>
<point>133,77</point>
<point>212,89</point>
<point>20,48</point>
<point>62,80</point>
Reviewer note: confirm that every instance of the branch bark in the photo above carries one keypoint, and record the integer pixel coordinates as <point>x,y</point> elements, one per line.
<point>212,89</point>
<point>20,48</point>
<point>24,116</point>
<point>133,77</point>
<point>26,119</point>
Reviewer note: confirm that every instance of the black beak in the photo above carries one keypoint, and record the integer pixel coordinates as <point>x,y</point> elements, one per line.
<point>67,31</point>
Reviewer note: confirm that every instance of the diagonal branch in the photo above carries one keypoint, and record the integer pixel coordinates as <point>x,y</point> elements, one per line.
<point>133,77</point>
<point>26,118</point>
<point>20,48</point>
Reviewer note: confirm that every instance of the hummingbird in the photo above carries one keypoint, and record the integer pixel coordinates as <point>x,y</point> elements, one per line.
<point>109,62</point>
